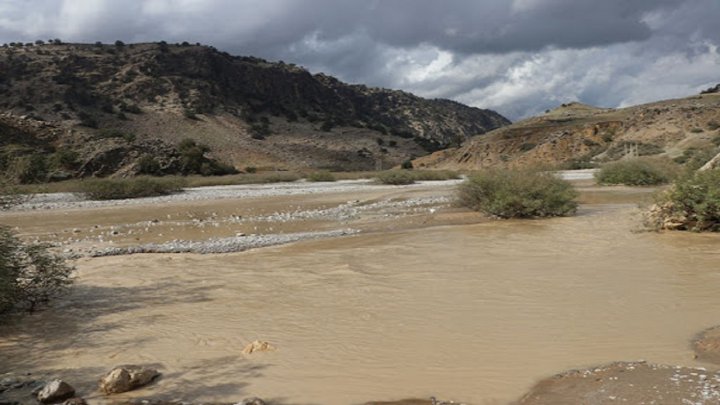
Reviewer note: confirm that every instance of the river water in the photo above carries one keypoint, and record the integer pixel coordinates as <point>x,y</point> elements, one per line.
<point>474,313</point>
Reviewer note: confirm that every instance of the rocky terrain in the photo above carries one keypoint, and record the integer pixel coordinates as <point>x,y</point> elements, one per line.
<point>577,136</point>
<point>94,109</point>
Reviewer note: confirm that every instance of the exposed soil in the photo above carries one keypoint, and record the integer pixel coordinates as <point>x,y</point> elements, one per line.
<point>628,383</point>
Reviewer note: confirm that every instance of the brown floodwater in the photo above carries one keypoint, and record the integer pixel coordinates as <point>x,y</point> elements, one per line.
<point>474,313</point>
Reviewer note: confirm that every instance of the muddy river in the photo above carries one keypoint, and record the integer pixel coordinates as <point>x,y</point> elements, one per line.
<point>474,313</point>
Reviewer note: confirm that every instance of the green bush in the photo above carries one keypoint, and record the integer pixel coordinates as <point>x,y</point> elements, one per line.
<point>29,274</point>
<point>321,177</point>
<point>395,177</point>
<point>138,187</point>
<point>692,203</point>
<point>508,193</point>
<point>406,164</point>
<point>148,165</point>
<point>194,161</point>
<point>637,172</point>
<point>65,158</point>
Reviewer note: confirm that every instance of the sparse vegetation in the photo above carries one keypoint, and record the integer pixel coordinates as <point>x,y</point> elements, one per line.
<point>321,177</point>
<point>434,175</point>
<point>527,146</point>
<point>137,187</point>
<point>637,172</point>
<point>149,166</point>
<point>109,133</point>
<point>694,158</point>
<point>29,274</point>
<point>30,169</point>
<point>395,177</point>
<point>508,193</point>
<point>194,161</point>
<point>692,203</point>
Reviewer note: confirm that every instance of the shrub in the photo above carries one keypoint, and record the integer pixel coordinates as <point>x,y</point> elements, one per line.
<point>87,120</point>
<point>320,176</point>
<point>406,164</point>
<point>65,158</point>
<point>250,169</point>
<point>30,169</point>
<point>527,146</point>
<point>692,203</point>
<point>696,130</point>
<point>148,165</point>
<point>508,193</point>
<point>636,172</point>
<point>29,274</point>
<point>713,125</point>
<point>396,178</point>
<point>694,158</point>
<point>138,187</point>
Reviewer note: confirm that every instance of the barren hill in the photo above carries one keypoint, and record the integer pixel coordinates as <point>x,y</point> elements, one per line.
<point>577,135</point>
<point>113,104</point>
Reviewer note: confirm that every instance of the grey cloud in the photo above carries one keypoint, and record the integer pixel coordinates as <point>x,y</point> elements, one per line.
<point>518,56</point>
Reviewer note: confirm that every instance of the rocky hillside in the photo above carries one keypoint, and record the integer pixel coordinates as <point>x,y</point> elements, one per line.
<point>115,104</point>
<point>576,136</point>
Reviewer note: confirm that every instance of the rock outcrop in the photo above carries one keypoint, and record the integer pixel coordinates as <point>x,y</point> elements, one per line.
<point>55,391</point>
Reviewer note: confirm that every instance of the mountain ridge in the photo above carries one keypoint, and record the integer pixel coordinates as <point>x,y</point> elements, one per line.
<point>575,135</point>
<point>250,112</point>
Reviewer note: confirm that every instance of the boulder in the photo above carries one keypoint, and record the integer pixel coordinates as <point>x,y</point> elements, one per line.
<point>55,391</point>
<point>126,378</point>
<point>258,346</point>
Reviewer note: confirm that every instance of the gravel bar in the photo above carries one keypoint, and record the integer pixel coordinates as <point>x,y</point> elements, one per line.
<point>57,201</point>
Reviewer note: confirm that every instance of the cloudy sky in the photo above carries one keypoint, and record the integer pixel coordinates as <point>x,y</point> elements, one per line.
<point>518,57</point>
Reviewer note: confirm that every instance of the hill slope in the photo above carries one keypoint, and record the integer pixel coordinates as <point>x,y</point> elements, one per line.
<point>576,135</point>
<point>250,112</point>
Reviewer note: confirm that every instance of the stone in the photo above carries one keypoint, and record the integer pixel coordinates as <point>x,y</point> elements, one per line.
<point>126,378</point>
<point>258,346</point>
<point>55,391</point>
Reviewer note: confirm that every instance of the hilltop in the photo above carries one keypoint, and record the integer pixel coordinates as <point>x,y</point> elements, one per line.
<point>108,106</point>
<point>575,135</point>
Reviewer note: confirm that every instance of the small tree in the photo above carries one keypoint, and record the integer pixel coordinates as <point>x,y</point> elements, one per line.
<point>29,274</point>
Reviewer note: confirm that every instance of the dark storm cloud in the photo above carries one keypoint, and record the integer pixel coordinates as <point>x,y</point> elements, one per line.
<point>518,56</point>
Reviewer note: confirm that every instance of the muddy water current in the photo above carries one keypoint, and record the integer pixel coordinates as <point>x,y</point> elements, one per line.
<point>474,313</point>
